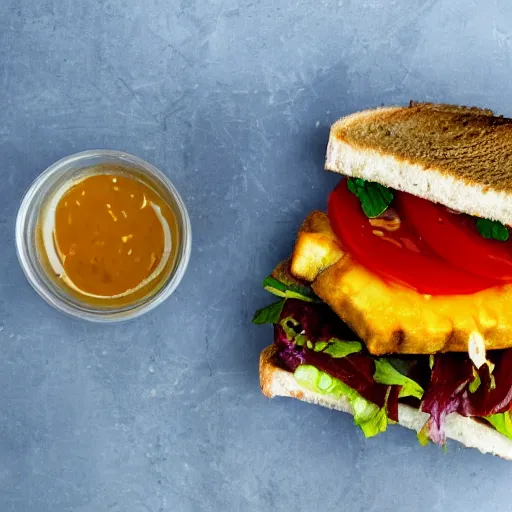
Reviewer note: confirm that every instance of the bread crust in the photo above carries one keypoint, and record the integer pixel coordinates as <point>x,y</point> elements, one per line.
<point>457,156</point>
<point>275,381</point>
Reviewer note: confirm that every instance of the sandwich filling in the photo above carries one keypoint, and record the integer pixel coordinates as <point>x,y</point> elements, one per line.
<point>408,246</point>
<point>419,244</point>
<point>326,357</point>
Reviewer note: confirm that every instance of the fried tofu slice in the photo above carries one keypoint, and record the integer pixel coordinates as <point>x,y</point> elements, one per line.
<point>390,318</point>
<point>316,248</point>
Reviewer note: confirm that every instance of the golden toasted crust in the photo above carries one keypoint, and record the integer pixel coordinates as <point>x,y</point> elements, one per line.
<point>455,140</point>
<point>316,247</point>
<point>394,319</point>
<point>267,369</point>
<point>456,156</point>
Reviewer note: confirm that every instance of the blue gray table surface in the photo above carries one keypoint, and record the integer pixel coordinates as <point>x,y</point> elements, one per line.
<point>233,100</point>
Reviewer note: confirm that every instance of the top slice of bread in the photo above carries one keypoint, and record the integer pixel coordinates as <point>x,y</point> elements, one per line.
<point>457,156</point>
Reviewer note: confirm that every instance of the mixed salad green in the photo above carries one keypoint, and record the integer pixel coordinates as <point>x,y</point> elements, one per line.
<point>326,357</point>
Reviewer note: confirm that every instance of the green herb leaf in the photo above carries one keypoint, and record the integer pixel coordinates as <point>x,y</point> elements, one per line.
<point>338,348</point>
<point>270,314</point>
<point>320,345</point>
<point>280,289</point>
<point>502,423</point>
<point>386,373</point>
<point>492,229</point>
<point>369,417</point>
<point>374,197</point>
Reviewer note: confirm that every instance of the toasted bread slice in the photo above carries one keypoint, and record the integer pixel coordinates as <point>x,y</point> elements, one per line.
<point>456,156</point>
<point>275,381</point>
<point>391,318</point>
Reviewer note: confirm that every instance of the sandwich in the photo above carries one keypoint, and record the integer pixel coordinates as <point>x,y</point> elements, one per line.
<point>395,304</point>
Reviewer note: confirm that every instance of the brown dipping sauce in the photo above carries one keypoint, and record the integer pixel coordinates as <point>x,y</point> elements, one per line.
<point>109,234</point>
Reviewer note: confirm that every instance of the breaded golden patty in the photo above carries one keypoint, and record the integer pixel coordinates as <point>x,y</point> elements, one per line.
<point>390,318</point>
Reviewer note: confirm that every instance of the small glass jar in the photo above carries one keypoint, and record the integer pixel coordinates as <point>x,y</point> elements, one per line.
<point>30,250</point>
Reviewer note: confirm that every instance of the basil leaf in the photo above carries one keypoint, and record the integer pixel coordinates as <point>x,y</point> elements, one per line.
<point>280,289</point>
<point>386,373</point>
<point>270,314</point>
<point>492,229</point>
<point>374,197</point>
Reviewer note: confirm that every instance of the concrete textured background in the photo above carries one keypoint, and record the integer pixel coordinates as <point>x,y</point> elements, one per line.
<point>233,99</point>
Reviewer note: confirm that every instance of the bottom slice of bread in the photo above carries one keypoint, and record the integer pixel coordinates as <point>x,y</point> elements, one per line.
<point>275,381</point>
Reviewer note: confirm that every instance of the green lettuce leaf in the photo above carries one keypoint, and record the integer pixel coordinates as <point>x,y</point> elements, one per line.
<point>374,197</point>
<point>502,423</point>
<point>386,373</point>
<point>269,314</point>
<point>370,418</point>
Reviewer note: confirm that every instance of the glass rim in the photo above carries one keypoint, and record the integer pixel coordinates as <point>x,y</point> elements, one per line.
<point>30,206</point>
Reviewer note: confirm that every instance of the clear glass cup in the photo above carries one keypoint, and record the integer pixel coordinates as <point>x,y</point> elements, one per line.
<point>29,251</point>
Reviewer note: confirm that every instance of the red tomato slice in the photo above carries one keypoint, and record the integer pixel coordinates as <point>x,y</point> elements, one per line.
<point>454,238</point>
<point>418,269</point>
